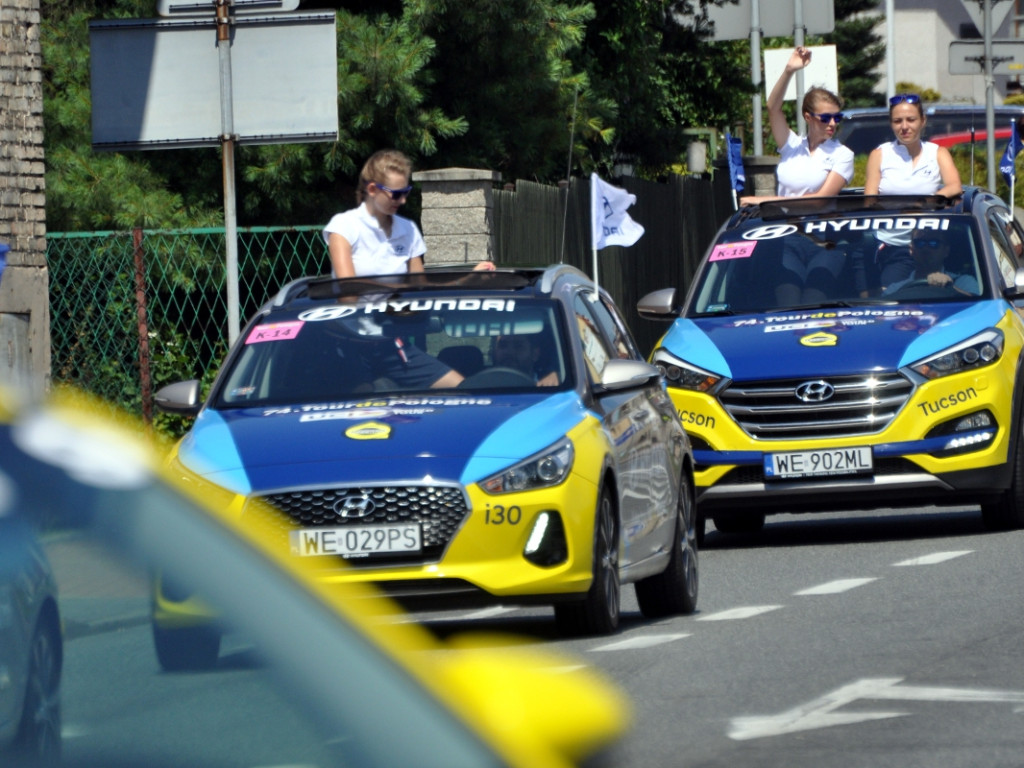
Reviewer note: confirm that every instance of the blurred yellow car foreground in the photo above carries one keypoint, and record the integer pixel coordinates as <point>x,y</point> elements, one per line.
<point>379,690</point>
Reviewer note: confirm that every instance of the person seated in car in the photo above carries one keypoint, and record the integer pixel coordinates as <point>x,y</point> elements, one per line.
<point>929,251</point>
<point>523,353</point>
<point>809,272</point>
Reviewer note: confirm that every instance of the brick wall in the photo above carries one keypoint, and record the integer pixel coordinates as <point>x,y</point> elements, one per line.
<point>24,284</point>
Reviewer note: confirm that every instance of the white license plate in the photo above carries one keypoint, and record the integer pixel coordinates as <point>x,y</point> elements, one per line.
<point>355,541</point>
<point>821,463</point>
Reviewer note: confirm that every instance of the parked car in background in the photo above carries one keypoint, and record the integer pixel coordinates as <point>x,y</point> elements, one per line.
<point>853,353</point>
<point>31,645</point>
<point>864,128</point>
<point>455,438</point>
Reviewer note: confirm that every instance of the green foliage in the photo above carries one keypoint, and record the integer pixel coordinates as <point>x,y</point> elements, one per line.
<point>859,51</point>
<point>927,94</point>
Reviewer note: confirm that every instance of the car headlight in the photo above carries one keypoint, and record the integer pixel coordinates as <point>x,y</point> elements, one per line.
<point>542,470</point>
<point>976,352</point>
<point>683,375</point>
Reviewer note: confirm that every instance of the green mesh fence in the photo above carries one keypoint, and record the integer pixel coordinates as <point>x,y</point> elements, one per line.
<point>132,311</point>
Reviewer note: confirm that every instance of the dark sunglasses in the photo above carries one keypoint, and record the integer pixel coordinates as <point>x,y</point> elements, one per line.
<point>926,242</point>
<point>396,194</point>
<point>900,98</point>
<point>827,117</point>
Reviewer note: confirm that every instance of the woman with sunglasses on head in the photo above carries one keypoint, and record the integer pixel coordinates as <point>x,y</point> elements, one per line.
<point>909,165</point>
<point>372,239</point>
<point>815,165</point>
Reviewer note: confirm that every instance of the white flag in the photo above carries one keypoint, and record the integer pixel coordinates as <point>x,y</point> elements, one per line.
<point>609,222</point>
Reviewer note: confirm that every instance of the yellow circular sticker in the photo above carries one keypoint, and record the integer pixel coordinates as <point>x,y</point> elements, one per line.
<point>820,339</point>
<point>371,430</point>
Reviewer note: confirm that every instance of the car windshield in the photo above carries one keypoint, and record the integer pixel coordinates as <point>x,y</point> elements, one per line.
<point>839,262</point>
<point>397,343</point>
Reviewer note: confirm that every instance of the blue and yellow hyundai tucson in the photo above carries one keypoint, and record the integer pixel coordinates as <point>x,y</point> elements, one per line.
<point>453,437</point>
<point>852,353</point>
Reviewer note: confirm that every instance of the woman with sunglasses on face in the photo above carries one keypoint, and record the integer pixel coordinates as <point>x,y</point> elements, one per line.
<point>372,239</point>
<point>815,165</point>
<point>908,165</point>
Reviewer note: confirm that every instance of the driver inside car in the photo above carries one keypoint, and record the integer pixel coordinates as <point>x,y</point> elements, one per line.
<point>523,353</point>
<point>929,251</point>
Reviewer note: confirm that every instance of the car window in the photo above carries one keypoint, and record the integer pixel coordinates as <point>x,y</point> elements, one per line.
<point>376,346</point>
<point>835,262</point>
<point>598,347</point>
<point>1006,243</point>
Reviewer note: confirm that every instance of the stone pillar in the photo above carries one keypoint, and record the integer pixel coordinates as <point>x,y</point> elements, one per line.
<point>457,216</point>
<point>760,174</point>
<point>24,283</point>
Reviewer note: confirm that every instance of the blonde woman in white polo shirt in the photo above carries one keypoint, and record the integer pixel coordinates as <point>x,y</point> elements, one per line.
<point>372,239</point>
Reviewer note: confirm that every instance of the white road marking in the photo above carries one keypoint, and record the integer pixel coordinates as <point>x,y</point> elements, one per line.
<point>744,612</point>
<point>819,713</point>
<point>937,557</point>
<point>642,641</point>
<point>835,587</point>
<point>486,613</point>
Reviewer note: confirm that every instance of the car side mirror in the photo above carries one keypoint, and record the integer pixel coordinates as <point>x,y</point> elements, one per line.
<point>658,305</point>
<point>626,374</point>
<point>181,397</point>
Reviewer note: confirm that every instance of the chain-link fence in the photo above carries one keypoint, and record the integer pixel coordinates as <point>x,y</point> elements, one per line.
<point>132,311</point>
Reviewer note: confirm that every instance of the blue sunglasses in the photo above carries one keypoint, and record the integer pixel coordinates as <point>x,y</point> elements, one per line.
<point>900,98</point>
<point>396,194</point>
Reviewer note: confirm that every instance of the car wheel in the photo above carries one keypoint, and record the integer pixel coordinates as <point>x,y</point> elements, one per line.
<point>598,612</point>
<point>191,649</point>
<point>38,738</point>
<point>747,522</point>
<point>1007,513</point>
<point>675,589</point>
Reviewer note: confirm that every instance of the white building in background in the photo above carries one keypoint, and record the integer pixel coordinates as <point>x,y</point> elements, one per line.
<point>923,30</point>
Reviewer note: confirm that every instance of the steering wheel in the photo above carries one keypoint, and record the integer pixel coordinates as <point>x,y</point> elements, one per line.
<point>498,376</point>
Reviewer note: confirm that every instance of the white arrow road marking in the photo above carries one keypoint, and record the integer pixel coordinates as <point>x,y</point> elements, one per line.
<point>643,641</point>
<point>744,612</point>
<point>937,557</point>
<point>835,587</point>
<point>819,712</point>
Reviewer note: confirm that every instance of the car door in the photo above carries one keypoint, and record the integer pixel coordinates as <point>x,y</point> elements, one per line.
<point>640,445</point>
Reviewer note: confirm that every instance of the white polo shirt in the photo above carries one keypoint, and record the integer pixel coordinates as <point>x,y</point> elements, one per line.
<point>373,252</point>
<point>801,172</point>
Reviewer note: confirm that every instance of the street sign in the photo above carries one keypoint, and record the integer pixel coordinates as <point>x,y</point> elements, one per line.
<point>823,70</point>
<point>967,57</point>
<point>778,18</point>
<point>209,7</point>
<point>976,10</point>
<point>156,83</point>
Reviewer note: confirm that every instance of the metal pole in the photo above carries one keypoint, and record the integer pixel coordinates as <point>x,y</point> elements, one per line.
<point>990,112</point>
<point>798,41</point>
<point>227,123</point>
<point>755,72</point>
<point>890,48</point>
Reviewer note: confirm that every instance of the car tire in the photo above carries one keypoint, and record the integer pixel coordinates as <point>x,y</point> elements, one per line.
<point>1007,512</point>
<point>598,612</point>
<point>38,740</point>
<point>747,522</point>
<point>674,590</point>
<point>186,650</point>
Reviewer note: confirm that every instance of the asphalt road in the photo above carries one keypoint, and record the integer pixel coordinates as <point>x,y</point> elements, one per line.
<point>837,640</point>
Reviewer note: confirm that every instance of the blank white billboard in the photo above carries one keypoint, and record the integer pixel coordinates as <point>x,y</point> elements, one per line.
<point>156,83</point>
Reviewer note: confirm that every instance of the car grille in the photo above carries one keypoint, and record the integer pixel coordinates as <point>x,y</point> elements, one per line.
<point>439,509</point>
<point>857,405</point>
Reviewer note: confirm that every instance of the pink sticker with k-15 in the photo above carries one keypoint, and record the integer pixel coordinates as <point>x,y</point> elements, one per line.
<point>742,249</point>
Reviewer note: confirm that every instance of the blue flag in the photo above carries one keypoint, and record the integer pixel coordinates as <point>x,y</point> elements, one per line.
<point>4,248</point>
<point>734,151</point>
<point>1008,163</point>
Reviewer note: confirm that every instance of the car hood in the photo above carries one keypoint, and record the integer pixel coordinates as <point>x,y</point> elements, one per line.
<point>445,437</point>
<point>835,341</point>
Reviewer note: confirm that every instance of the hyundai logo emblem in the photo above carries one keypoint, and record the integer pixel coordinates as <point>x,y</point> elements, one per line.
<point>815,391</point>
<point>354,506</point>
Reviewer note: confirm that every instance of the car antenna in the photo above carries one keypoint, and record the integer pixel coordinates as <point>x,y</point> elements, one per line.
<point>568,175</point>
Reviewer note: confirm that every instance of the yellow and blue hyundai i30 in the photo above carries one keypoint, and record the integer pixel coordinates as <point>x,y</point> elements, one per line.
<point>454,437</point>
<point>852,353</point>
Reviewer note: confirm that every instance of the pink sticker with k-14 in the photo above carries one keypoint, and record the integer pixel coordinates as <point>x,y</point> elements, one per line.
<point>275,332</point>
